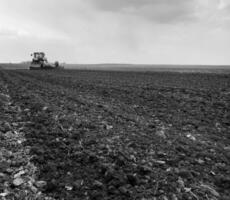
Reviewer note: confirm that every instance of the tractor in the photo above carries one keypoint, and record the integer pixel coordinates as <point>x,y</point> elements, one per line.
<point>40,62</point>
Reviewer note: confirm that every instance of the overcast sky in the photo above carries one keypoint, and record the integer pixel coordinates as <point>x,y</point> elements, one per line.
<point>116,31</point>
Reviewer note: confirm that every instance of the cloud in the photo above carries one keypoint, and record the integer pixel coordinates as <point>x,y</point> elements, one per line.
<point>161,11</point>
<point>135,31</point>
<point>223,4</point>
<point>6,32</point>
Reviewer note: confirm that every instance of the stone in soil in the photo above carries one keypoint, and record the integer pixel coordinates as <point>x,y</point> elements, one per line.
<point>18,181</point>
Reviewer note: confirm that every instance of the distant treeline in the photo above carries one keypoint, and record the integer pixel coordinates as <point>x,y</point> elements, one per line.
<point>133,67</point>
<point>14,65</point>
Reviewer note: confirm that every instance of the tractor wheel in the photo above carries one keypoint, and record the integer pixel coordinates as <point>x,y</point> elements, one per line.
<point>56,64</point>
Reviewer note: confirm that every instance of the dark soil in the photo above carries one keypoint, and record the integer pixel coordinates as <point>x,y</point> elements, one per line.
<point>126,135</point>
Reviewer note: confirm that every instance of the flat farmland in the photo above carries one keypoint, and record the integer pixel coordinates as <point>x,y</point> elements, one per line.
<point>117,135</point>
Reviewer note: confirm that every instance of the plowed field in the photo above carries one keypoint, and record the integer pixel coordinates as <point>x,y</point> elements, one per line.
<point>120,135</point>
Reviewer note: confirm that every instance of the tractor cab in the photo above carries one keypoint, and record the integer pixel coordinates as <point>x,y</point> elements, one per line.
<point>39,58</point>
